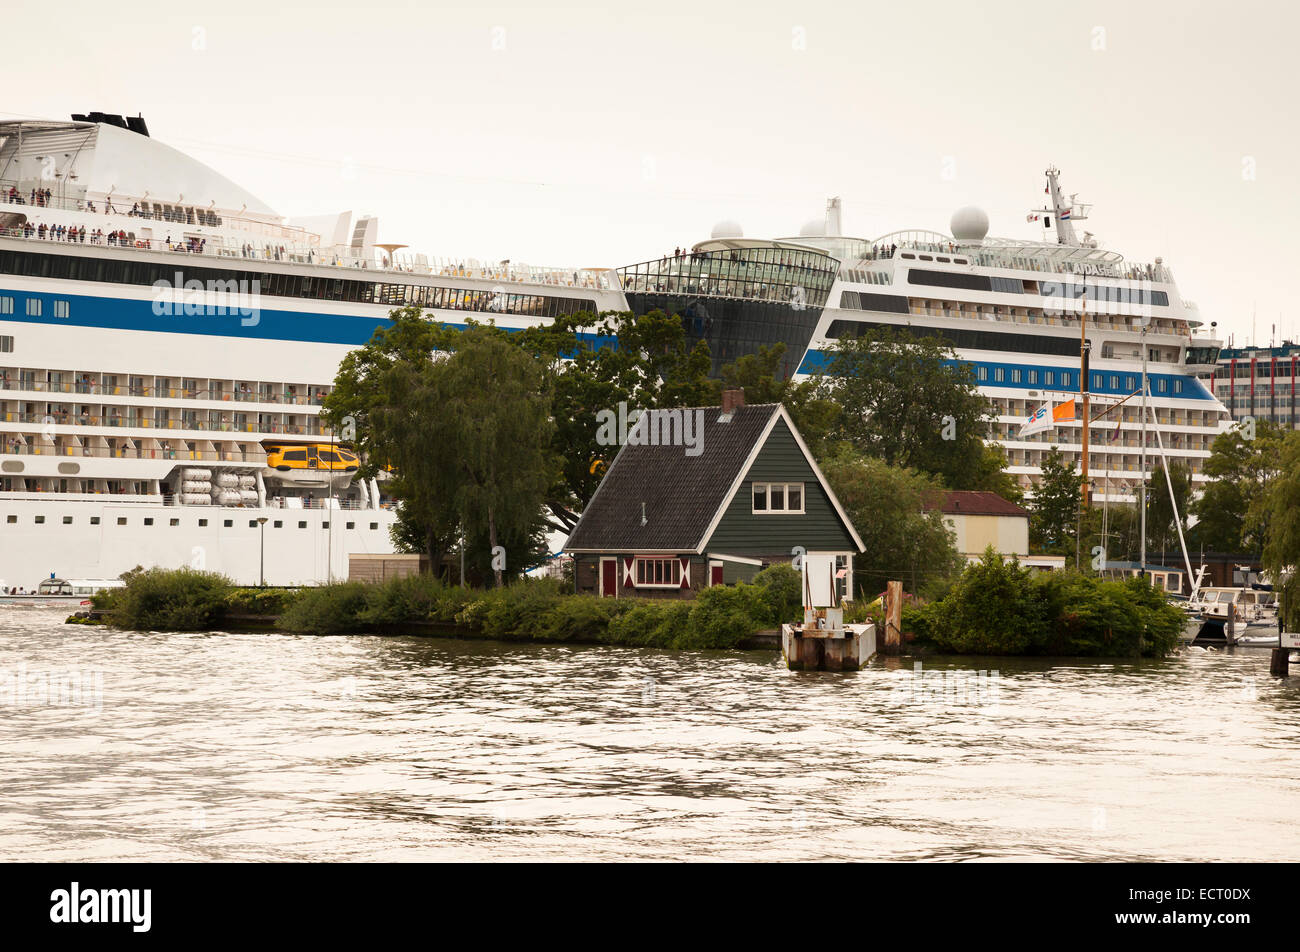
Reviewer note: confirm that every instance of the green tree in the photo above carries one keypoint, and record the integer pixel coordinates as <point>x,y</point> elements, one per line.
<point>903,541</point>
<point>1054,510</point>
<point>380,403</point>
<point>907,401</point>
<point>494,427</point>
<point>1279,511</point>
<point>1242,461</point>
<point>594,363</point>
<point>760,377</point>
<point>1162,528</point>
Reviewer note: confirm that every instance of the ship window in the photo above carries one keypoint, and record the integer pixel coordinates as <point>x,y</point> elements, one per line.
<point>982,373</point>
<point>1049,378</point>
<point>278,524</point>
<point>121,520</point>
<point>252,523</point>
<point>40,520</point>
<point>999,374</point>
<point>173,522</point>
<point>926,258</point>
<point>33,307</point>
<point>1130,383</point>
<point>1162,385</point>
<point>944,260</point>
<point>67,520</point>
<point>374,525</point>
<point>302,525</point>
<point>1015,376</point>
<point>1033,376</point>
<point>1114,381</point>
<point>202,523</point>
<point>296,455</point>
<point>148,520</point>
<point>6,344</point>
<point>1065,378</point>
<point>61,309</point>
<point>228,523</point>
<point>352,525</point>
<point>910,257</point>
<point>1178,386</point>
<point>6,305</point>
<point>11,519</point>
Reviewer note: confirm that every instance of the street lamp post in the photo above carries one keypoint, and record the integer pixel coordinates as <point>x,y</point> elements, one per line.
<point>261,533</point>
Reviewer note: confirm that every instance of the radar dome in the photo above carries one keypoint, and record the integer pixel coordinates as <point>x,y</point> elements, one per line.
<point>813,229</point>
<point>728,229</point>
<point>969,224</point>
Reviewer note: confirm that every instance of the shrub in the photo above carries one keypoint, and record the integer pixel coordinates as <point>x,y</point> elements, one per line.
<point>397,600</point>
<point>650,623</point>
<point>169,600</point>
<point>722,616</point>
<point>327,610</point>
<point>994,608</point>
<point>259,601</point>
<point>782,594</point>
<point>582,618</point>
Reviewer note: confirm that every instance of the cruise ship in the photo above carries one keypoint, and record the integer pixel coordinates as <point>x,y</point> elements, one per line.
<point>165,334</point>
<point>162,330</point>
<point>1017,311</point>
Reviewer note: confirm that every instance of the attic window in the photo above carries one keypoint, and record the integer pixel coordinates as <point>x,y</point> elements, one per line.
<point>658,573</point>
<point>777,498</point>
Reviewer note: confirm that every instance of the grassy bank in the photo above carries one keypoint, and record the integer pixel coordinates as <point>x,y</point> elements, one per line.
<point>529,610</point>
<point>995,607</point>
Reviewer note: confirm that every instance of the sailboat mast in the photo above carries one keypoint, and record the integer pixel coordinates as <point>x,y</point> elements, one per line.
<point>1142,469</point>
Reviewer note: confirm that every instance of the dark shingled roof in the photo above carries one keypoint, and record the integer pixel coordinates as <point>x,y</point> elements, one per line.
<point>960,502</point>
<point>681,493</point>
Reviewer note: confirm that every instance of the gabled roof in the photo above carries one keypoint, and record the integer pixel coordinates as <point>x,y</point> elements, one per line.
<point>959,502</point>
<point>684,496</point>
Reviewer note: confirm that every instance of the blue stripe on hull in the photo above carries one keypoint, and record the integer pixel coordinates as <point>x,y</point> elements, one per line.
<point>1193,389</point>
<point>351,330</point>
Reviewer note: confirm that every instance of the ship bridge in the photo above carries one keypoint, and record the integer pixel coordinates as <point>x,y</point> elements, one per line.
<point>738,294</point>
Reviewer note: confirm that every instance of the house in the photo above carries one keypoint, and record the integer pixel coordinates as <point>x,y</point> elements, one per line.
<point>672,515</point>
<point>980,519</point>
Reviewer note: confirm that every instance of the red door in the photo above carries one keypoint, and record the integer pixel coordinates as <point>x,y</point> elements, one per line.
<point>715,574</point>
<point>608,578</point>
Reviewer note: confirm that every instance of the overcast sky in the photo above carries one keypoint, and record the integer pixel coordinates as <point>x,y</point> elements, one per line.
<point>587,134</point>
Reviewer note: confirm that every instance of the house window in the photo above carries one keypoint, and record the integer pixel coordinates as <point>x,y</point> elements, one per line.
<point>778,497</point>
<point>658,573</point>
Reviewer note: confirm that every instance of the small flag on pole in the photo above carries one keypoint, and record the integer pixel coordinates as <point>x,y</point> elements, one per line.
<point>1048,416</point>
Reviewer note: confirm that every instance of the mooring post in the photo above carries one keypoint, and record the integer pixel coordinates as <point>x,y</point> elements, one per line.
<point>894,615</point>
<point>1279,665</point>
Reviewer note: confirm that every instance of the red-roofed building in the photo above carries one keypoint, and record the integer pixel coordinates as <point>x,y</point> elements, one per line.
<point>982,519</point>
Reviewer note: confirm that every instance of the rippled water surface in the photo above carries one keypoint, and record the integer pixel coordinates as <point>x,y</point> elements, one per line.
<point>268,747</point>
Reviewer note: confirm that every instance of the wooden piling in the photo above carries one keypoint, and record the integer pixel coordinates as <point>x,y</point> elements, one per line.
<point>1279,663</point>
<point>894,616</point>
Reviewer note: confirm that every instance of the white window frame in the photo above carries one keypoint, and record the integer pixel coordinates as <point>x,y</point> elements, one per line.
<point>674,561</point>
<point>785,492</point>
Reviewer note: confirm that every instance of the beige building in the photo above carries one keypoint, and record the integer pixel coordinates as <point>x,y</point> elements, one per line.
<point>981,519</point>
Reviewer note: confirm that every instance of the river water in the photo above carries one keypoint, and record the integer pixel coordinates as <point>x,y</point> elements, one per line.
<point>117,746</point>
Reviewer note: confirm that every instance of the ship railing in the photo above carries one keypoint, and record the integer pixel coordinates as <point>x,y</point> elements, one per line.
<point>229,246</point>
<point>1046,263</point>
<point>92,388</point>
<point>16,448</point>
<point>142,422</point>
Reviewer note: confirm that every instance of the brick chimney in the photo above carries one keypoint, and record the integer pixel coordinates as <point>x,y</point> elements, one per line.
<point>732,400</point>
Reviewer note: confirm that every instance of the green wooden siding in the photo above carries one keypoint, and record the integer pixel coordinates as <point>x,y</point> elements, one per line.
<point>742,532</point>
